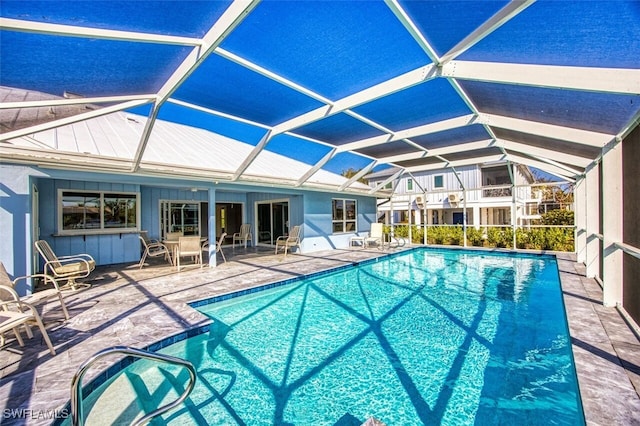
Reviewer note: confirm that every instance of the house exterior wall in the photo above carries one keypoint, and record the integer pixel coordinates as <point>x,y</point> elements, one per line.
<point>483,206</point>
<point>104,248</point>
<point>318,232</point>
<point>15,219</point>
<point>312,209</point>
<point>468,175</point>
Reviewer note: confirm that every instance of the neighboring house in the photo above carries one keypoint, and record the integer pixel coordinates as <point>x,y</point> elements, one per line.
<point>98,206</point>
<point>442,197</point>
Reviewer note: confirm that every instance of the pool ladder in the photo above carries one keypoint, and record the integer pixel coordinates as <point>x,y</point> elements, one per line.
<point>77,417</point>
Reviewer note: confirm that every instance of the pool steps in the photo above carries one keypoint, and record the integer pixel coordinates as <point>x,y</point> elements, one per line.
<point>77,417</point>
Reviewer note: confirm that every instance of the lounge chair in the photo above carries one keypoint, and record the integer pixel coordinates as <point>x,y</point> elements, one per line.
<point>289,241</point>
<point>66,268</point>
<point>189,246</point>
<point>375,235</point>
<point>34,299</point>
<point>22,314</point>
<point>153,248</point>
<point>243,236</point>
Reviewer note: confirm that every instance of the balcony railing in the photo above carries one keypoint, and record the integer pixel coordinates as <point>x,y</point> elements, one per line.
<point>496,192</point>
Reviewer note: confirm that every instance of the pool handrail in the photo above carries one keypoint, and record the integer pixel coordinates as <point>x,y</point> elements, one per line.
<point>77,417</point>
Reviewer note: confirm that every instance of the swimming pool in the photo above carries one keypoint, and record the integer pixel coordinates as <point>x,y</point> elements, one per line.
<point>428,336</point>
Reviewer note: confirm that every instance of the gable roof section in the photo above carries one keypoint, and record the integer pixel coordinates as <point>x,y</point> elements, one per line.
<point>172,150</point>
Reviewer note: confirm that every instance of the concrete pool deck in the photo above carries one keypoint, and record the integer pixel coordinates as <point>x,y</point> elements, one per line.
<point>133,307</point>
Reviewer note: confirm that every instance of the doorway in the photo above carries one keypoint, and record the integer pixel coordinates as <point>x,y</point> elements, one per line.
<point>458,218</point>
<point>272,218</point>
<point>180,216</point>
<point>228,219</point>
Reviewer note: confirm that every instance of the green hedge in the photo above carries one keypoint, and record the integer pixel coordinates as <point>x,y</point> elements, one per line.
<point>557,239</point>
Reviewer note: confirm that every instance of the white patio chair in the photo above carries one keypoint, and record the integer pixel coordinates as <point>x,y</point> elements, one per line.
<point>287,242</point>
<point>243,236</point>
<point>205,246</point>
<point>219,246</point>
<point>375,235</point>
<point>15,314</point>
<point>35,299</point>
<point>189,246</point>
<point>173,235</point>
<point>153,249</point>
<point>65,268</point>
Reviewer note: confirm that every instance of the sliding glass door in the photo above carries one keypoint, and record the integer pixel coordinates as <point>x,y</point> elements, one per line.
<point>176,216</point>
<point>272,219</point>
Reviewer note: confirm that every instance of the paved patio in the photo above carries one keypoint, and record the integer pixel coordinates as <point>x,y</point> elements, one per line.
<point>128,306</point>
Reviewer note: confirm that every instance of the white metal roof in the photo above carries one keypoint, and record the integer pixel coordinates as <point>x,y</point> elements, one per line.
<point>173,149</point>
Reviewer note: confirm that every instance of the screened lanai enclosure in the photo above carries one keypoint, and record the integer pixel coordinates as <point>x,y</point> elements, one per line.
<point>405,87</point>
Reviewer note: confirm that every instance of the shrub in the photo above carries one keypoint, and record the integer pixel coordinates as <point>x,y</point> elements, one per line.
<point>456,235</point>
<point>494,235</point>
<point>474,237</point>
<point>558,217</point>
<point>500,237</point>
<point>559,239</point>
<point>417,234</point>
<point>523,240</point>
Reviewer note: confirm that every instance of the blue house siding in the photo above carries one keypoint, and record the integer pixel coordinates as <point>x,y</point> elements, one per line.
<point>15,220</point>
<point>318,221</point>
<point>312,209</point>
<point>104,248</point>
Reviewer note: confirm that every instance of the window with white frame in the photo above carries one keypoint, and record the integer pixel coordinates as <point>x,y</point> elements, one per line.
<point>409,185</point>
<point>438,181</point>
<point>87,212</point>
<point>344,214</point>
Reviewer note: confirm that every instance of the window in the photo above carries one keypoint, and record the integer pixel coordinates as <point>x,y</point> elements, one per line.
<point>344,215</point>
<point>179,216</point>
<point>389,185</point>
<point>83,212</point>
<point>409,184</point>
<point>438,181</point>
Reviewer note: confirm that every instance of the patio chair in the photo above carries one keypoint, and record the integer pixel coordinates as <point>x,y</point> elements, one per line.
<point>171,236</point>
<point>219,246</point>
<point>145,235</point>
<point>22,314</point>
<point>205,246</point>
<point>243,236</point>
<point>36,298</point>
<point>67,268</point>
<point>189,246</point>
<point>153,248</point>
<point>375,235</point>
<point>289,241</point>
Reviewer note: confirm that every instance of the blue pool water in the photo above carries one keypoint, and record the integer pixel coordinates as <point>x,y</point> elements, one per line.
<point>429,336</point>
